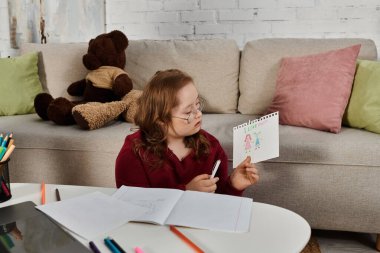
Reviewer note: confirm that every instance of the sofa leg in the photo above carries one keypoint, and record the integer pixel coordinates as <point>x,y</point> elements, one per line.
<point>378,242</point>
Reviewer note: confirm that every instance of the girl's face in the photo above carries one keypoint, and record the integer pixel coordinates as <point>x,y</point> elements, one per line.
<point>187,115</point>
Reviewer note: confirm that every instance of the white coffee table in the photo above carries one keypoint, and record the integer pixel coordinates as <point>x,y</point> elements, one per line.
<point>273,229</point>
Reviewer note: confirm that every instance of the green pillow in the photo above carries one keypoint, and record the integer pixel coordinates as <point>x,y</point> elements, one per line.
<point>363,110</point>
<point>19,84</point>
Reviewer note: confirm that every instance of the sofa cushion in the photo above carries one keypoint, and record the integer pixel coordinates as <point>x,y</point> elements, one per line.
<point>260,62</point>
<point>364,105</point>
<point>59,65</point>
<point>19,84</point>
<point>214,65</point>
<point>349,147</point>
<point>313,90</point>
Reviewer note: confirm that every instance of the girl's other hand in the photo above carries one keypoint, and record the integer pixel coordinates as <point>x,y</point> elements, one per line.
<point>202,183</point>
<point>244,175</point>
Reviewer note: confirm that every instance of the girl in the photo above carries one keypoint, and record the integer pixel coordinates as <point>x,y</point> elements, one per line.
<point>170,150</point>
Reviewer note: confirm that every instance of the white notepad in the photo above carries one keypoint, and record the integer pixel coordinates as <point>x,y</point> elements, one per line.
<point>94,214</point>
<point>257,138</point>
<point>189,208</point>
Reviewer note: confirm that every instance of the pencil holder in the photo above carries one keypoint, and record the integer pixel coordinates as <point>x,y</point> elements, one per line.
<point>5,185</point>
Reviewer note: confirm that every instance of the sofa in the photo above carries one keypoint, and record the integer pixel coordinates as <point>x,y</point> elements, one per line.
<point>330,179</point>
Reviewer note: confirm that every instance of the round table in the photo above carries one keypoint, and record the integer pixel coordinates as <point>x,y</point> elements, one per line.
<point>273,229</point>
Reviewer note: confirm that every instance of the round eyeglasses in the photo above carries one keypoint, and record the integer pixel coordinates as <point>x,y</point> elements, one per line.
<point>191,116</point>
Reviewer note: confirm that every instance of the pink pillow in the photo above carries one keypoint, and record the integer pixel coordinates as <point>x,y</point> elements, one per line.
<point>313,91</point>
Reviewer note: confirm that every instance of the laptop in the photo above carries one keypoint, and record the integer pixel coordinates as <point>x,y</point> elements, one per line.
<point>24,229</point>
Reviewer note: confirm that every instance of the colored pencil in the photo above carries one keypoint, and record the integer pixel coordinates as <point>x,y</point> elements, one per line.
<point>110,245</point>
<point>43,193</point>
<point>185,239</point>
<point>8,153</point>
<point>117,246</point>
<point>94,248</point>
<point>57,195</point>
<point>138,250</point>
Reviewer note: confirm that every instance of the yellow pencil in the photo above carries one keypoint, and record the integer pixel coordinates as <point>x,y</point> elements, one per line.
<point>8,153</point>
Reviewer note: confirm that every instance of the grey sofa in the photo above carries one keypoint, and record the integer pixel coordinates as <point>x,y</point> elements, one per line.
<point>330,179</point>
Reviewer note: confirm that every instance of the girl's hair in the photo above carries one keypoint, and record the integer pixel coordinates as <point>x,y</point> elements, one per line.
<point>154,117</point>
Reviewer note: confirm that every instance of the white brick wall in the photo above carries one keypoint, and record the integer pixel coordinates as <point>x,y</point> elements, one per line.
<point>198,16</point>
<point>241,20</point>
<point>218,4</point>
<point>246,4</point>
<point>180,5</point>
<point>244,20</point>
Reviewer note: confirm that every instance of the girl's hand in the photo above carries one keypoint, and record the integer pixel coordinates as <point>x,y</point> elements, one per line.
<point>202,183</point>
<point>244,175</point>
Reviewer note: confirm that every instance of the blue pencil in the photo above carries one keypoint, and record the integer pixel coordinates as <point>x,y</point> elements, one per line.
<point>117,245</point>
<point>111,246</point>
<point>5,141</point>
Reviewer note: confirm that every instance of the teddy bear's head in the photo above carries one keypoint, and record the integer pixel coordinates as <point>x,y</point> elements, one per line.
<point>106,50</point>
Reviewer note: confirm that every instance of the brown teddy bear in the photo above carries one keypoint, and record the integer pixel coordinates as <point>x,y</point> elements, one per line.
<point>106,82</point>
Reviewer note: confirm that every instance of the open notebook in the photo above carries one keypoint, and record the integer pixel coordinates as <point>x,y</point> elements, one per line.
<point>189,208</point>
<point>93,214</point>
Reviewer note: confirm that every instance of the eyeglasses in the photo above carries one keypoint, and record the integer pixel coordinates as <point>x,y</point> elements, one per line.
<point>191,116</point>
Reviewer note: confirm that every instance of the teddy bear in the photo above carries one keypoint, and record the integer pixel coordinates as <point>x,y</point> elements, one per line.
<point>106,82</point>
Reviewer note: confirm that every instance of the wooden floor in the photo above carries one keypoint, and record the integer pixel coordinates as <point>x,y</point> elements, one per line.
<point>345,242</point>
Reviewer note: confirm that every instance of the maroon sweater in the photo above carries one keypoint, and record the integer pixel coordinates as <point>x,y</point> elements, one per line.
<point>132,171</point>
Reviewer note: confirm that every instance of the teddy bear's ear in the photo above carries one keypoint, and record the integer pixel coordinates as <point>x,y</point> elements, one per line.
<point>119,40</point>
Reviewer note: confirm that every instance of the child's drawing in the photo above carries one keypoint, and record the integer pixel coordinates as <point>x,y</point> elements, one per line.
<point>247,141</point>
<point>258,140</point>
